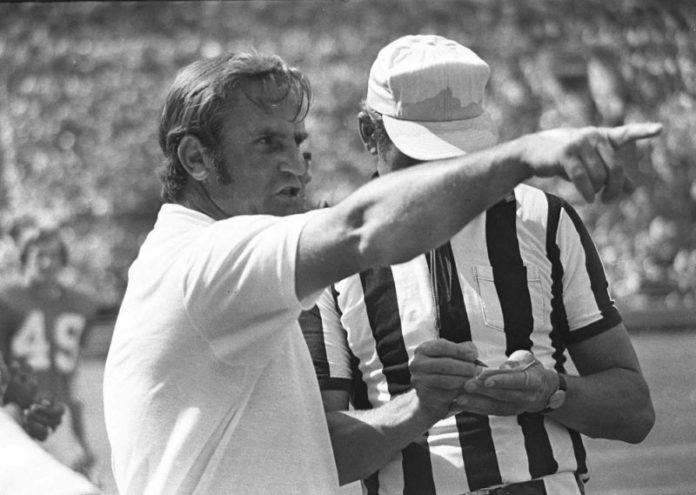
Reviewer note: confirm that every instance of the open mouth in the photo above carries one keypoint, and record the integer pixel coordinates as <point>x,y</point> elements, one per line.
<point>290,192</point>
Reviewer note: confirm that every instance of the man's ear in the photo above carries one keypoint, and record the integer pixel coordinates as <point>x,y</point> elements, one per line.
<point>367,132</point>
<point>193,157</point>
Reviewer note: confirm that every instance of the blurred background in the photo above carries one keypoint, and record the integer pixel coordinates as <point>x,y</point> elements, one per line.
<point>82,84</point>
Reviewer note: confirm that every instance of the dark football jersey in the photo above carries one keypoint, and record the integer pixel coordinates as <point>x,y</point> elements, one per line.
<point>46,332</point>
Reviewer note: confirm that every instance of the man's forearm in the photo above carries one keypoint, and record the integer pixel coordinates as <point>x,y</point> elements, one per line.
<point>408,212</point>
<point>364,441</point>
<point>614,404</point>
<point>398,216</point>
<point>405,213</point>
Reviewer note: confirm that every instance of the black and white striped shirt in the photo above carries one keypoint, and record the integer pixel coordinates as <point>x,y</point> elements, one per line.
<point>527,277</point>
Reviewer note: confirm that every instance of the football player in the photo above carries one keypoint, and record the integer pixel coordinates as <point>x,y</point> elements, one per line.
<point>43,325</point>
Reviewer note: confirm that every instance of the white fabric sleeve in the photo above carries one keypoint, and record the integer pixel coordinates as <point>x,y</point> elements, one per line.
<point>589,308</point>
<point>240,276</point>
<point>335,338</point>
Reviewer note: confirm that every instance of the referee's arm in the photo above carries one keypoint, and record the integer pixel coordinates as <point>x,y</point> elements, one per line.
<point>610,398</point>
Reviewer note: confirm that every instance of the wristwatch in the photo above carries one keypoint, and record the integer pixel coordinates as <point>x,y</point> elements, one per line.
<point>558,397</point>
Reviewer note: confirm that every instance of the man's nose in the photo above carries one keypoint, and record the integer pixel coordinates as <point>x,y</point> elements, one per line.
<point>295,164</point>
<point>307,177</point>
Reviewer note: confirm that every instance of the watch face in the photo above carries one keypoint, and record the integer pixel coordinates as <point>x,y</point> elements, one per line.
<point>558,397</point>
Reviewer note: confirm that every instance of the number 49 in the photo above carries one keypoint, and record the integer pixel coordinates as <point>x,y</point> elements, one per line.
<point>33,343</point>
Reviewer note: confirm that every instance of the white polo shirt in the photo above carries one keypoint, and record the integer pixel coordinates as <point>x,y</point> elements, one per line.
<point>209,387</point>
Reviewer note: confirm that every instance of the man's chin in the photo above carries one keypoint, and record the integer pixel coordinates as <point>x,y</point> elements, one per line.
<point>285,207</point>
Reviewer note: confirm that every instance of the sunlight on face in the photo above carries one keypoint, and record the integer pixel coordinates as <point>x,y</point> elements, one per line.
<point>260,146</point>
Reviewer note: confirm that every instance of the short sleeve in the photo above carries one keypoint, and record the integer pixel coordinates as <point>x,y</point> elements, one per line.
<point>589,307</point>
<point>239,276</point>
<point>327,342</point>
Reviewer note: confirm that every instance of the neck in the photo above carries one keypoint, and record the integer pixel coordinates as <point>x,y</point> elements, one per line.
<point>196,197</point>
<point>393,160</point>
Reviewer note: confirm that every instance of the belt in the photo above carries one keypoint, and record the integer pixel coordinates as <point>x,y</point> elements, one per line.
<point>533,487</point>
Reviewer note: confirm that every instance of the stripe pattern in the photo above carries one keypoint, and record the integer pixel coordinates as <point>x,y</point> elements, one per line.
<point>523,275</point>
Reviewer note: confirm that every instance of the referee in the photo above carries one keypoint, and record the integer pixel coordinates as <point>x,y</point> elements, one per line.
<point>522,276</point>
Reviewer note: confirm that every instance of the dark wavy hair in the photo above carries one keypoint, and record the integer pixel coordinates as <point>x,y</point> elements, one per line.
<point>203,95</point>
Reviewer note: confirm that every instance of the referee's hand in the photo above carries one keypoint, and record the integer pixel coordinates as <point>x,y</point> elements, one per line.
<point>514,388</point>
<point>439,370</point>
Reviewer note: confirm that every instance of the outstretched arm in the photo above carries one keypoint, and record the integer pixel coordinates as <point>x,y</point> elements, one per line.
<point>405,213</point>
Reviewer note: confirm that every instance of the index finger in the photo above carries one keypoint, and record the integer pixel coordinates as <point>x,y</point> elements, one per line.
<point>619,136</point>
<point>465,351</point>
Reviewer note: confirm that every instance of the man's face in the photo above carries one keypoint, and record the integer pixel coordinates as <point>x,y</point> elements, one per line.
<point>391,159</point>
<point>377,141</point>
<point>44,260</point>
<point>260,147</point>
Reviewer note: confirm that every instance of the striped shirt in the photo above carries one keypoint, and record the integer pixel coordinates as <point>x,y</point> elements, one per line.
<point>527,277</point>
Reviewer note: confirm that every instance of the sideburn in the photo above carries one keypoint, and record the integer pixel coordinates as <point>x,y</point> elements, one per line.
<point>222,173</point>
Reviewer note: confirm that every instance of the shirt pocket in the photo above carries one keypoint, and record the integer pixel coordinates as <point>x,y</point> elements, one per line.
<point>489,300</point>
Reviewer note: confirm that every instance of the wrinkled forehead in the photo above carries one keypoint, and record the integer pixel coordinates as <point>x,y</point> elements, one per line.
<point>273,96</point>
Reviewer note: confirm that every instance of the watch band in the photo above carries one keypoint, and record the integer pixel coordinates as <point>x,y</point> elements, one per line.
<point>558,397</point>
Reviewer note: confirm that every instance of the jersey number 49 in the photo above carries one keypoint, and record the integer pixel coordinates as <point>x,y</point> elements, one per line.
<point>33,341</point>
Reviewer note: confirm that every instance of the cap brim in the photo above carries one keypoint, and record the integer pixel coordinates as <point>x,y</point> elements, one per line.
<point>440,140</point>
